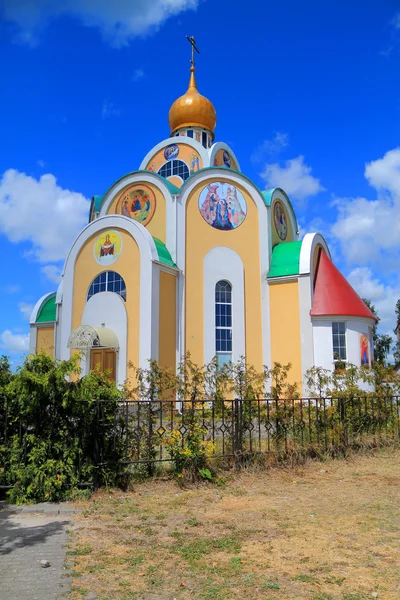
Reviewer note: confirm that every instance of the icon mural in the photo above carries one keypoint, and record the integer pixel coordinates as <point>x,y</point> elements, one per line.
<point>138,203</point>
<point>280,220</point>
<point>222,206</point>
<point>194,163</point>
<point>171,152</point>
<point>223,158</point>
<point>107,247</point>
<point>227,158</point>
<point>364,351</point>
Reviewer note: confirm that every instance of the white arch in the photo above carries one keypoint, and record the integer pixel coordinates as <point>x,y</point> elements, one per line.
<point>177,139</point>
<point>264,234</point>
<point>281,195</point>
<point>309,243</point>
<point>108,310</point>
<point>59,295</point>
<point>222,263</point>
<point>148,253</point>
<point>156,180</point>
<point>36,309</point>
<point>222,146</point>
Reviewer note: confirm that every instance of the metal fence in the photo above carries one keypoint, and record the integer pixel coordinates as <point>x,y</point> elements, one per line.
<point>239,428</point>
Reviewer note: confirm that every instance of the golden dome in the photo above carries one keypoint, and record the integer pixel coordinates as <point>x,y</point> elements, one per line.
<point>192,109</point>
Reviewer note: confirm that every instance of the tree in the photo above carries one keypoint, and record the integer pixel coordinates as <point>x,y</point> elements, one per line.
<point>382,341</point>
<point>396,350</point>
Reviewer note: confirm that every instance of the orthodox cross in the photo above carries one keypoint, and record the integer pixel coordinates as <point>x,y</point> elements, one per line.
<point>192,41</point>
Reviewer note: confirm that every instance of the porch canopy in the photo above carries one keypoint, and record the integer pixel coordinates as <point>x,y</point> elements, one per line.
<point>85,337</point>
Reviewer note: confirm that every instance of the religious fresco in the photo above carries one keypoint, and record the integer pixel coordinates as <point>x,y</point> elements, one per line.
<point>107,247</point>
<point>222,206</point>
<point>194,163</point>
<point>280,220</point>
<point>177,151</point>
<point>171,152</point>
<point>364,351</point>
<point>137,202</point>
<point>223,158</point>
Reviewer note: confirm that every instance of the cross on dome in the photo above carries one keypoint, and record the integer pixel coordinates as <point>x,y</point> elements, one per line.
<point>192,109</point>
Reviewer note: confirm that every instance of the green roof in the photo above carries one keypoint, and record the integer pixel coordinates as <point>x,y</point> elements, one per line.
<point>163,253</point>
<point>285,259</point>
<point>47,312</point>
<point>267,196</point>
<point>97,200</point>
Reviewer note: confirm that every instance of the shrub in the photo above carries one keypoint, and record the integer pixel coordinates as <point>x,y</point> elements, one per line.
<point>59,428</point>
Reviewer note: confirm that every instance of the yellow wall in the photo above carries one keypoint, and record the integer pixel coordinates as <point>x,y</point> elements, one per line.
<point>186,153</point>
<point>167,323</point>
<point>128,266</point>
<point>45,340</point>
<point>158,224</point>
<point>290,233</point>
<point>200,239</point>
<point>285,327</point>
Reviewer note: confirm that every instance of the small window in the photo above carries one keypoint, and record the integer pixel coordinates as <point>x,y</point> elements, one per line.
<point>223,322</point>
<point>204,139</point>
<point>339,341</point>
<point>174,167</point>
<point>109,281</point>
<point>189,133</point>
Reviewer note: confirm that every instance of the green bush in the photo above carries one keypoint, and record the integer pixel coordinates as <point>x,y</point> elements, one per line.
<point>58,428</point>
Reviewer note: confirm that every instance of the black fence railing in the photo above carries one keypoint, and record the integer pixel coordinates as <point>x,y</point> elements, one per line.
<point>244,427</point>
<point>146,432</point>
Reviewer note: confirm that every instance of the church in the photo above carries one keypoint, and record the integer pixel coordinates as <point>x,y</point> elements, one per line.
<point>187,254</point>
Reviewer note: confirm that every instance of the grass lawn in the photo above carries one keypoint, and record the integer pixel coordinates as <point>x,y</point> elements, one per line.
<point>325,531</point>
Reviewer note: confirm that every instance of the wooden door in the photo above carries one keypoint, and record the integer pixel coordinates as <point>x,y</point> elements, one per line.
<point>104,359</point>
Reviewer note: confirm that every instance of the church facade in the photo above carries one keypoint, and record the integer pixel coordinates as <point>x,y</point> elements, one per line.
<point>187,254</point>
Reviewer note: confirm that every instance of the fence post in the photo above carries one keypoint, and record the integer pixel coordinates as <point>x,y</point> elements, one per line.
<point>237,424</point>
<point>96,446</point>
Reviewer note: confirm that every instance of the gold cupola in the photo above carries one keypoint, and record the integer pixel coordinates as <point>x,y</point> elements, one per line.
<point>192,110</point>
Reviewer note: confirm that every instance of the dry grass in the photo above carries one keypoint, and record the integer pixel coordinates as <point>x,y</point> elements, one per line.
<point>325,531</point>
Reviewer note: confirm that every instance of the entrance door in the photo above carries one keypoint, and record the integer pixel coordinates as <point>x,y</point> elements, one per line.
<point>104,359</point>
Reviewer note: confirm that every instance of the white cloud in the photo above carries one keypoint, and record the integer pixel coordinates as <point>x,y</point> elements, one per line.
<point>294,177</point>
<point>369,230</point>
<point>41,213</point>
<point>109,110</point>
<point>14,342</point>
<point>137,74</point>
<point>396,21</point>
<point>40,163</point>
<point>384,173</point>
<point>11,288</point>
<point>383,296</point>
<point>118,20</point>
<point>26,309</point>
<point>270,147</point>
<point>52,272</point>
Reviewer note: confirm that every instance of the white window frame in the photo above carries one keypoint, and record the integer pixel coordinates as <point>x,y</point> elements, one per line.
<point>224,353</point>
<point>339,358</point>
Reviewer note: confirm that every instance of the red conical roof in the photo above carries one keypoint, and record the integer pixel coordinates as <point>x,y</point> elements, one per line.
<point>333,295</point>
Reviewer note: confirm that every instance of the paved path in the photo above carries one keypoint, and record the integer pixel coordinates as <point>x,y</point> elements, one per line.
<point>26,538</point>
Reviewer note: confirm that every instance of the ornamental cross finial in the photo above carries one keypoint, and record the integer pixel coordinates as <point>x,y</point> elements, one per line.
<point>192,41</point>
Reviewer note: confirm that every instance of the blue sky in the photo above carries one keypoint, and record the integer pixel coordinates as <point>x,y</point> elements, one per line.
<point>307,94</point>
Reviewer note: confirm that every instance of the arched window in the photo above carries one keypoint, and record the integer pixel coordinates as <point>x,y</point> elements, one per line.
<point>108,281</point>
<point>174,167</point>
<point>223,321</point>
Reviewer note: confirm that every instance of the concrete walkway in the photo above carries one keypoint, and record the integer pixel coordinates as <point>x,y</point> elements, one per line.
<point>28,535</point>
